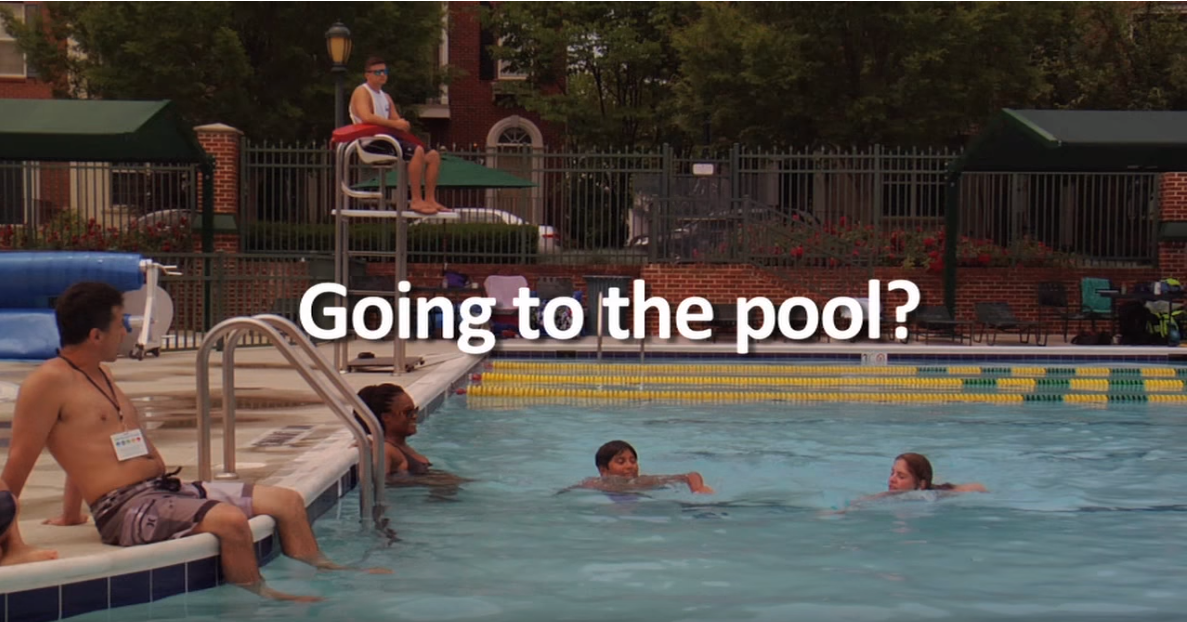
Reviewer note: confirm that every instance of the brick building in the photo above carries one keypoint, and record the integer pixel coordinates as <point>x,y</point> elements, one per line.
<point>470,114</point>
<point>17,79</point>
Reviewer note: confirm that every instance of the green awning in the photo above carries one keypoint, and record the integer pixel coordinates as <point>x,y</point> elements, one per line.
<point>1070,141</point>
<point>1064,141</point>
<point>458,173</point>
<point>72,130</point>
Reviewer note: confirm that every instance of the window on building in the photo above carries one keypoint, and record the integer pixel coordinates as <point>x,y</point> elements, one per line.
<point>486,39</point>
<point>514,148</point>
<point>505,71</point>
<point>12,61</point>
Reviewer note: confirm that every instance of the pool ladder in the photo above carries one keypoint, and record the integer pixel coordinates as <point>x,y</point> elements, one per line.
<point>343,401</point>
<point>642,342</point>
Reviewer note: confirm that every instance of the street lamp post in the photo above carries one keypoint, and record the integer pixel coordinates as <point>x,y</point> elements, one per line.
<point>338,46</point>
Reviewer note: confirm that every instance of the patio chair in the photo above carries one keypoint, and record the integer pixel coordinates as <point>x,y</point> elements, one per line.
<point>1054,303</point>
<point>548,288</point>
<point>999,318</point>
<point>504,319</point>
<point>1092,304</point>
<point>936,320</point>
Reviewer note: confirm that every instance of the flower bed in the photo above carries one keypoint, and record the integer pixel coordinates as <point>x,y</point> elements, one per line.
<point>845,244</point>
<point>68,231</point>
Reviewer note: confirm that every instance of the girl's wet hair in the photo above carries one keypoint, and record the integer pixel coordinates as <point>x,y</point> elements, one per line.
<point>607,452</point>
<point>378,397</point>
<point>920,468</point>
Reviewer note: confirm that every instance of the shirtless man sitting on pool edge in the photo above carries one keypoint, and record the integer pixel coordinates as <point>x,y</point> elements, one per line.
<point>70,405</point>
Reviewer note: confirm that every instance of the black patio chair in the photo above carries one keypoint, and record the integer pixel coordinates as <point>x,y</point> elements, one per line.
<point>997,317</point>
<point>1054,303</point>
<point>936,320</point>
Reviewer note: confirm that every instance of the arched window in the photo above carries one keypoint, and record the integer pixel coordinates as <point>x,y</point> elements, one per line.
<point>515,144</point>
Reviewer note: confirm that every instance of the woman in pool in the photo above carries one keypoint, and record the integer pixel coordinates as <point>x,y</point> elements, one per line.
<point>397,417</point>
<point>618,467</point>
<point>913,472</point>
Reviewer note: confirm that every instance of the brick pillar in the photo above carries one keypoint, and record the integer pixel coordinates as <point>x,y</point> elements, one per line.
<point>222,142</point>
<point>1172,256</point>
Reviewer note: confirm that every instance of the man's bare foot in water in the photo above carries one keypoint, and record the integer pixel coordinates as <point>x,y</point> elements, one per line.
<point>422,207</point>
<point>266,592</point>
<point>325,564</point>
<point>24,554</point>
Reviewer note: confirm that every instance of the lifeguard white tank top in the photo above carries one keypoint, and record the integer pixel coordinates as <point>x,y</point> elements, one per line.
<point>379,103</point>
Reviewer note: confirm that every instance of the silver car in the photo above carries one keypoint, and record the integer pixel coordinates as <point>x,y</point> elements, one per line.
<point>549,240</point>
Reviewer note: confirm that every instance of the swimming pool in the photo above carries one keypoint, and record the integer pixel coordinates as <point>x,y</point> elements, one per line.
<point>1082,519</point>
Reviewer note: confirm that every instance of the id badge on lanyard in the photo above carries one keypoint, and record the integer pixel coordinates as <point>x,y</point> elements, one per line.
<point>129,445</point>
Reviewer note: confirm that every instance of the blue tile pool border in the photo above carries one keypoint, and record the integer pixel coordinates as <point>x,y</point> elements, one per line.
<point>144,586</point>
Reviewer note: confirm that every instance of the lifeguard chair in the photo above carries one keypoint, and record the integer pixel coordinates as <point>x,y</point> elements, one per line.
<point>351,149</point>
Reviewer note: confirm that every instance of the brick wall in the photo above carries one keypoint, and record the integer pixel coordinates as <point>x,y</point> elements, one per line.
<point>249,286</point>
<point>1017,286</point>
<point>222,142</point>
<point>22,88</point>
<point>472,108</point>
<point>1172,256</point>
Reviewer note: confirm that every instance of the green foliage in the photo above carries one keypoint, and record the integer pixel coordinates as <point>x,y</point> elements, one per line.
<point>640,74</point>
<point>820,74</point>
<point>604,69</point>
<point>261,67</point>
<point>427,243</point>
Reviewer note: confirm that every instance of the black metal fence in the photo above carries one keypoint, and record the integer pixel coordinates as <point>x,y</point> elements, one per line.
<point>606,207</point>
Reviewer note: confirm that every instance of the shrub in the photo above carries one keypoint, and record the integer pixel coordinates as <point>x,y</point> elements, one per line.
<point>67,231</point>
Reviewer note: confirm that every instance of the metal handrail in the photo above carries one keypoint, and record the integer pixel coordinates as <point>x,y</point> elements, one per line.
<point>351,399</point>
<point>371,479</point>
<point>642,340</point>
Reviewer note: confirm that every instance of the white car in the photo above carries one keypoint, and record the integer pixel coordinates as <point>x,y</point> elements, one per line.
<point>549,240</point>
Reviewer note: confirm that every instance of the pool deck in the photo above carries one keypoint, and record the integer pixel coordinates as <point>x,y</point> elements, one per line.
<point>313,458</point>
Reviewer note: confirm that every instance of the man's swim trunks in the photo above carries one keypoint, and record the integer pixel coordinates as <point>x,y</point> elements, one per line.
<point>407,148</point>
<point>7,511</point>
<point>163,508</point>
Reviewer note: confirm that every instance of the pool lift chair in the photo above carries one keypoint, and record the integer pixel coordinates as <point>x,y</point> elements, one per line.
<point>351,145</point>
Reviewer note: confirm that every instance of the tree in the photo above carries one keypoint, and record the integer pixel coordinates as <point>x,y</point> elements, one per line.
<point>858,73</point>
<point>1120,56</point>
<point>602,69</point>
<point>261,67</point>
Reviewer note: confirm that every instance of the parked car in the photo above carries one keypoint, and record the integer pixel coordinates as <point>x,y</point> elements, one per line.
<point>549,240</point>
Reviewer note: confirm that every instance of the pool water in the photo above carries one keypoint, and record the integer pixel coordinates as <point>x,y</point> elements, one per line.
<point>1084,520</point>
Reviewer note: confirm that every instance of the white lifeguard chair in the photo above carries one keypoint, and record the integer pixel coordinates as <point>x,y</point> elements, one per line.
<point>350,151</point>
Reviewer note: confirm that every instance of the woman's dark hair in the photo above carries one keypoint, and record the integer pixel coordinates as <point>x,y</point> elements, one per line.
<point>378,397</point>
<point>607,452</point>
<point>84,306</point>
<point>920,468</point>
